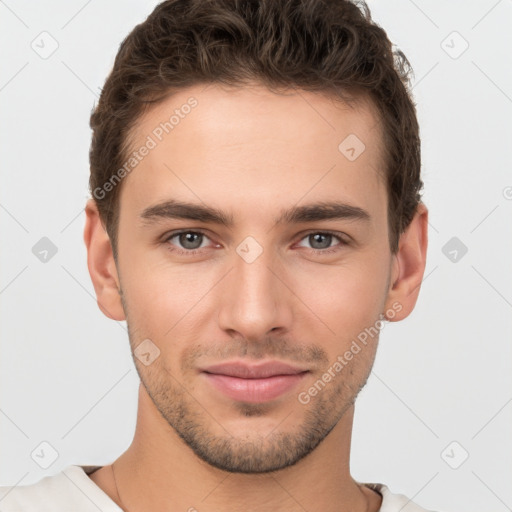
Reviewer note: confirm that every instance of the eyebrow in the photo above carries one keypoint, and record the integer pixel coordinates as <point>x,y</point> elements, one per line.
<point>326,210</point>
<point>173,209</point>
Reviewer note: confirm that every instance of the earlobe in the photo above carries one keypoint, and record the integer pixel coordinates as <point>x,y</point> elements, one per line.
<point>409,267</point>
<point>101,264</point>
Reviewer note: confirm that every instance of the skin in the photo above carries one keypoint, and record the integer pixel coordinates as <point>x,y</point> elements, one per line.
<point>251,153</point>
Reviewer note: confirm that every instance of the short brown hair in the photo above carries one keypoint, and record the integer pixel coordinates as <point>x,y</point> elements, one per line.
<point>317,45</point>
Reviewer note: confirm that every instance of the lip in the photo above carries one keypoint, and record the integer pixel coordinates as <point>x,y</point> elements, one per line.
<point>254,383</point>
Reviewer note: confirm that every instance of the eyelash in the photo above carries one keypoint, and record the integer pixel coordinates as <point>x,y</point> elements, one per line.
<point>193,252</point>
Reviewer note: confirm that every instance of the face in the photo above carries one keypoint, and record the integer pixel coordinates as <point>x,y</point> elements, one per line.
<point>253,252</point>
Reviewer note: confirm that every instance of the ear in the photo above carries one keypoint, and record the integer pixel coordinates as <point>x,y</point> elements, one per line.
<point>408,267</point>
<point>101,264</point>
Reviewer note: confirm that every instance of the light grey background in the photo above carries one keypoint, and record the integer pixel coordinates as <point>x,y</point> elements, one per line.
<point>441,376</point>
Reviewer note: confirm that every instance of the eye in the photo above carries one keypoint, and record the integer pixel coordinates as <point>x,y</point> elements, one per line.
<point>186,241</point>
<point>320,241</point>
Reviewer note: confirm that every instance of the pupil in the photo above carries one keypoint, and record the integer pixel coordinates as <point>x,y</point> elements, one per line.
<point>318,238</point>
<point>187,240</point>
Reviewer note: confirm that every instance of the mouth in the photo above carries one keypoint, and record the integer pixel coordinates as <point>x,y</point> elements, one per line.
<point>254,383</point>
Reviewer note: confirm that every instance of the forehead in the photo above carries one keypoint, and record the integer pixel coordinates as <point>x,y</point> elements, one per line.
<point>222,143</point>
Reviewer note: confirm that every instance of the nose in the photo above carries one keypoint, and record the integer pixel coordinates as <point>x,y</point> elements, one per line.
<point>254,298</point>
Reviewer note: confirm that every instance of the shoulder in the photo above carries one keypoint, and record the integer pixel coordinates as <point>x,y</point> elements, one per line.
<point>71,489</point>
<point>392,502</point>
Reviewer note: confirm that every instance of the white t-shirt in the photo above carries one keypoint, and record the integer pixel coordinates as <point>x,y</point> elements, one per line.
<point>72,490</point>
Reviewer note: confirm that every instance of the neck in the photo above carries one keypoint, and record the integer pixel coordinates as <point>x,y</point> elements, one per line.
<point>159,462</point>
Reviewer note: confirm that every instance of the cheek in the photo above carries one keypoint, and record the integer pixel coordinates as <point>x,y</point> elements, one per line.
<point>343,300</point>
<point>164,299</point>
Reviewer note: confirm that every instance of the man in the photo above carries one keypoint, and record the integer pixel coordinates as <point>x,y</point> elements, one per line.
<point>256,217</point>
